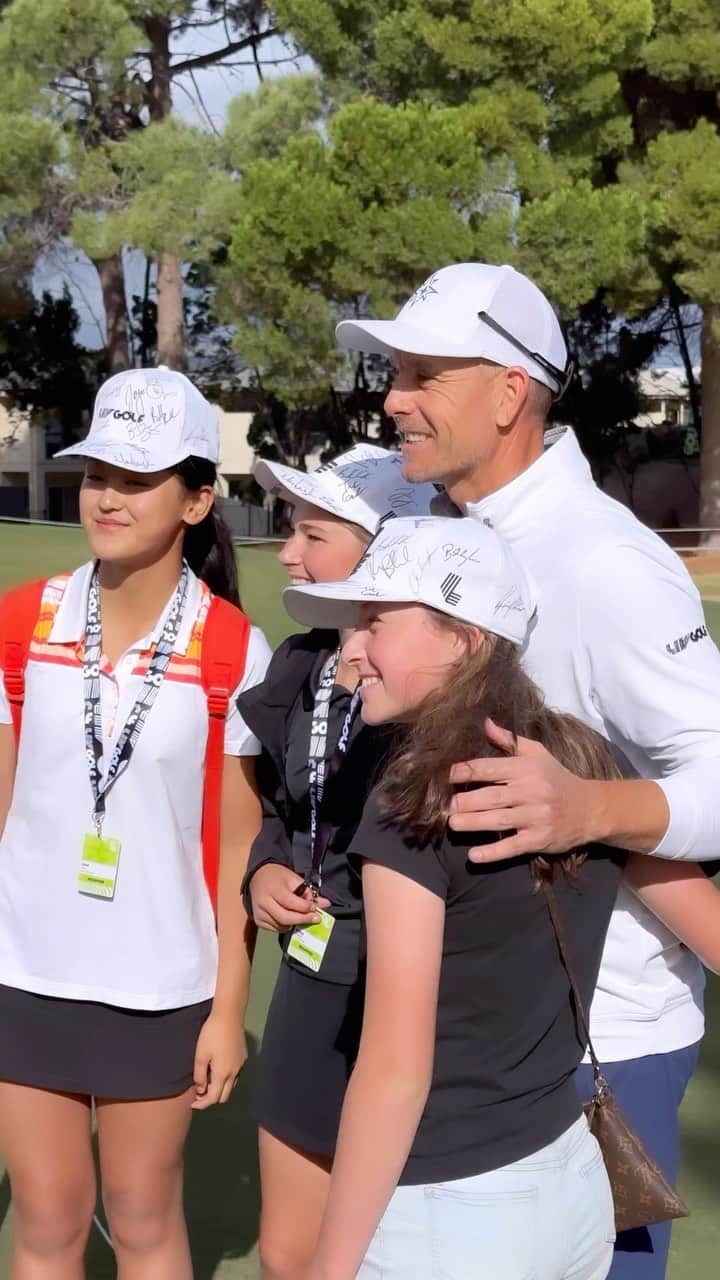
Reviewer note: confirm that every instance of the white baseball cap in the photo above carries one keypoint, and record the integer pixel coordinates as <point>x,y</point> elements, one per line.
<point>149,420</point>
<point>459,567</point>
<point>472,310</point>
<point>365,485</point>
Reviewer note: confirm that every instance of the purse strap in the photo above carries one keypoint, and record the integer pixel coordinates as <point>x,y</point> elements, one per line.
<point>601,1085</point>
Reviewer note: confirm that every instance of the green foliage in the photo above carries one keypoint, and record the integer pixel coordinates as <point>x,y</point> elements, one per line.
<point>42,366</point>
<point>80,80</point>
<point>44,40</point>
<point>681,179</point>
<point>261,123</point>
<point>348,211</point>
<point>171,187</point>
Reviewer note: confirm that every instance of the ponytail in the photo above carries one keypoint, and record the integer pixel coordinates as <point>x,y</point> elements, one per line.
<point>208,546</point>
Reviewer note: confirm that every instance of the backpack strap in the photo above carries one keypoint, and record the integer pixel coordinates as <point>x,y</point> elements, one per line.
<point>224,649</point>
<point>19,611</point>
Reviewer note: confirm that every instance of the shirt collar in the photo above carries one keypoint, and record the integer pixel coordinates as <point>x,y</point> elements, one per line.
<point>69,623</point>
<point>562,466</point>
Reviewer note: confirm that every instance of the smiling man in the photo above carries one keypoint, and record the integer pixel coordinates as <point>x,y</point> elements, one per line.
<point>618,640</point>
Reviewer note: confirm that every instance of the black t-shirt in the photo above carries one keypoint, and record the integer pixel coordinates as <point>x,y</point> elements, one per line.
<point>507,1044</point>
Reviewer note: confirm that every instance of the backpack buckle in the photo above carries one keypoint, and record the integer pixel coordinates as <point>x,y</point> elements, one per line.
<point>13,673</point>
<point>218,700</point>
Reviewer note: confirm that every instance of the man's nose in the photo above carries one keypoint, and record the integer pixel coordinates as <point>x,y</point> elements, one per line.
<point>398,401</point>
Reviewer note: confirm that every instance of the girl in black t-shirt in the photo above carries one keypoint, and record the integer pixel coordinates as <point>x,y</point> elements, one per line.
<point>462,1151</point>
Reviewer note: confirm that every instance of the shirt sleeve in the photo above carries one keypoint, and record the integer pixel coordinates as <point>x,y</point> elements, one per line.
<point>380,840</point>
<point>5,716</point>
<point>239,741</point>
<point>656,683</point>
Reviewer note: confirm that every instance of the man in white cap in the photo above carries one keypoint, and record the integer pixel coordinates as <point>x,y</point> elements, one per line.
<point>619,640</point>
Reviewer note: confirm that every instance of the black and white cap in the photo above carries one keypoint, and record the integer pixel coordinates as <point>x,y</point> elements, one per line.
<point>459,567</point>
<point>149,420</point>
<point>365,485</point>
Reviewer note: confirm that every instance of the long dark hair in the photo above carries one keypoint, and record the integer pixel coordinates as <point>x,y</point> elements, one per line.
<point>208,546</point>
<point>448,726</point>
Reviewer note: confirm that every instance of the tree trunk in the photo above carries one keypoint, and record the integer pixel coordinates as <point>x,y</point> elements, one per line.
<point>112,283</point>
<point>693,389</point>
<point>170,324</point>
<point>710,446</point>
<point>170,327</point>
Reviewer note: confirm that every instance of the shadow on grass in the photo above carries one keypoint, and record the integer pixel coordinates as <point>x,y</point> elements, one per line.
<point>222,1195</point>
<point>222,1191</point>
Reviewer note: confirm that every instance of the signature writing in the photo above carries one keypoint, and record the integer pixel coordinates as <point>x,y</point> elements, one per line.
<point>142,410</point>
<point>511,602</point>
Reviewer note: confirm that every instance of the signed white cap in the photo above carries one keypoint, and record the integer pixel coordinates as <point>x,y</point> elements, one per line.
<point>149,420</point>
<point>364,485</point>
<point>472,310</point>
<point>459,567</point>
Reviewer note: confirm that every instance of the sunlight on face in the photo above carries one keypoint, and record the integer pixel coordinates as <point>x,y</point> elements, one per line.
<point>445,412</point>
<point>132,517</point>
<point>321,547</point>
<point>401,655</point>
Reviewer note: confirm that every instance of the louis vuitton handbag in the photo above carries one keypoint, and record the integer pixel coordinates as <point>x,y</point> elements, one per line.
<point>641,1192</point>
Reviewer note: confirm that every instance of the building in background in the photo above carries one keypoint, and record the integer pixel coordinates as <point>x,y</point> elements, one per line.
<point>35,485</point>
<point>665,398</point>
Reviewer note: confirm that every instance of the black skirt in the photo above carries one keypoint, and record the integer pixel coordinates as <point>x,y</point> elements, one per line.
<point>309,1048</point>
<point>78,1046</point>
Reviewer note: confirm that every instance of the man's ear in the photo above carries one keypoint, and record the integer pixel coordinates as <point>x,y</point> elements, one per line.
<point>514,397</point>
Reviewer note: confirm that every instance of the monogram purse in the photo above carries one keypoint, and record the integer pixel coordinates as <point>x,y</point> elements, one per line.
<point>641,1192</point>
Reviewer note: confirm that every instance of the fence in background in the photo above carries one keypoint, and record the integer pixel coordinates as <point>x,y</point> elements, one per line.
<point>254,524</point>
<point>244,529</point>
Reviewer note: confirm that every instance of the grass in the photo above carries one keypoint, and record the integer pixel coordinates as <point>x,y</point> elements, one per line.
<point>222,1184</point>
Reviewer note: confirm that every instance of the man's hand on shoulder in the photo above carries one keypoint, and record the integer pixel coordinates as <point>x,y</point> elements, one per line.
<point>532,802</point>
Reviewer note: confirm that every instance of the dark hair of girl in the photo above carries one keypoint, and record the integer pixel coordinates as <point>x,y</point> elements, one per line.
<point>415,790</point>
<point>208,546</point>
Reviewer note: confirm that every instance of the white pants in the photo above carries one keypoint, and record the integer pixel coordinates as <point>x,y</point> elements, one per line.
<point>547,1217</point>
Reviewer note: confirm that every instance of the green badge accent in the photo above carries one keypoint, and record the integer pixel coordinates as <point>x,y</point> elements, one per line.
<point>309,941</point>
<point>98,869</point>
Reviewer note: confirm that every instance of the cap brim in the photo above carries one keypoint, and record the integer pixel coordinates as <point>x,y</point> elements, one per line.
<point>334,605</point>
<point>129,457</point>
<point>286,482</point>
<point>382,337</point>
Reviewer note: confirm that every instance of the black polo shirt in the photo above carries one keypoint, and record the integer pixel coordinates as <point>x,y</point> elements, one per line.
<point>507,1044</point>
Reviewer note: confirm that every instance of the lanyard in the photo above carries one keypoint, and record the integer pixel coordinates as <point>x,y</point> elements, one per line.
<point>321,769</point>
<point>132,729</point>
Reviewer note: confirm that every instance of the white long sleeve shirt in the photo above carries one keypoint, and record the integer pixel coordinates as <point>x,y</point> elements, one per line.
<point>620,641</point>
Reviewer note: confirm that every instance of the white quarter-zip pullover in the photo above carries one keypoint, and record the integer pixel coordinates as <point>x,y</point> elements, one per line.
<point>620,641</point>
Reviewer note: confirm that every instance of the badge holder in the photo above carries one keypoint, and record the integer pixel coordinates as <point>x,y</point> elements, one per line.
<point>309,942</point>
<point>99,865</point>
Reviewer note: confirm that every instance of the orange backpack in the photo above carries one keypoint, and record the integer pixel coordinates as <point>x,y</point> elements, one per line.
<point>222,663</point>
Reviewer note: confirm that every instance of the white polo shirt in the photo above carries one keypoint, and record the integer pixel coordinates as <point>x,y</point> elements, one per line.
<point>620,641</point>
<point>154,946</point>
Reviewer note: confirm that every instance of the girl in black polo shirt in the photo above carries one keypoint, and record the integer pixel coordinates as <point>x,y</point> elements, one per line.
<point>462,1149</point>
<point>311,1034</point>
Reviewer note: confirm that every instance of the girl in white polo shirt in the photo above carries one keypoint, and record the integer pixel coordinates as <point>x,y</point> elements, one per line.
<point>115,984</point>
